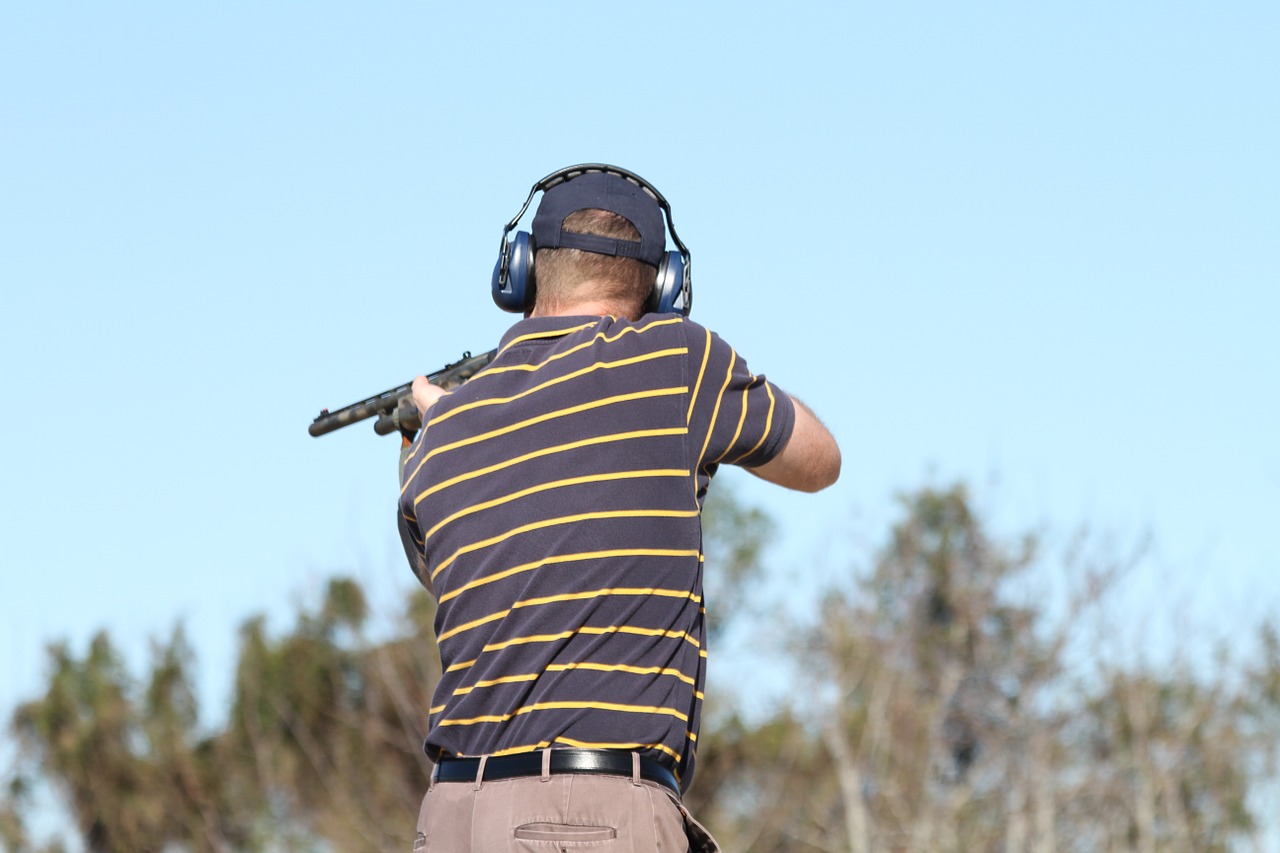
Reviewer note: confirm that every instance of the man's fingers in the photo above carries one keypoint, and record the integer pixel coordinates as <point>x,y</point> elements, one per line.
<point>425,394</point>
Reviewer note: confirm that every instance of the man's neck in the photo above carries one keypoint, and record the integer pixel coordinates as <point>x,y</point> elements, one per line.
<point>594,308</point>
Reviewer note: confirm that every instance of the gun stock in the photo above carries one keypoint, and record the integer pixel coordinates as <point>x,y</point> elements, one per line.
<point>394,409</point>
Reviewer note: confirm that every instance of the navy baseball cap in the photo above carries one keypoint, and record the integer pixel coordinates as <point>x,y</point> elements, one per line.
<point>602,191</point>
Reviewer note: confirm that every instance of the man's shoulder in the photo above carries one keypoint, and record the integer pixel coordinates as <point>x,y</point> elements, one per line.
<point>539,336</point>
<point>646,332</point>
<point>673,324</point>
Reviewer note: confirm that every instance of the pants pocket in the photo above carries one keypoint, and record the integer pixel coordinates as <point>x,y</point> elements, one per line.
<point>700,841</point>
<point>564,832</point>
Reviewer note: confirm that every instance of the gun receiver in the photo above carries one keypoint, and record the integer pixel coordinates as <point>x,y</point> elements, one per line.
<point>394,409</point>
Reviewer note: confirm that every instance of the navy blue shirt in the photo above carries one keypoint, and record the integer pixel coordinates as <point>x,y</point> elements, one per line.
<point>555,499</point>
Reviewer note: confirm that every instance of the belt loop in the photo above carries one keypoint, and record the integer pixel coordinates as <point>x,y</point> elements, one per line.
<point>435,771</point>
<point>546,765</point>
<point>484,759</point>
<point>635,769</point>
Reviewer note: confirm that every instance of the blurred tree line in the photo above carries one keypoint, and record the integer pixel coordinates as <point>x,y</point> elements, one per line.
<point>943,701</point>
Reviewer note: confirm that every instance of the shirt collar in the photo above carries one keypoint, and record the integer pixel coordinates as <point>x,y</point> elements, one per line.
<point>536,328</point>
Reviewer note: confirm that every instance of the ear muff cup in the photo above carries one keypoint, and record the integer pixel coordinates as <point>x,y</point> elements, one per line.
<point>514,292</point>
<point>669,288</point>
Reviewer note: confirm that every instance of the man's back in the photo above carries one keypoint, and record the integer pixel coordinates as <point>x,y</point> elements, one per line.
<point>556,497</point>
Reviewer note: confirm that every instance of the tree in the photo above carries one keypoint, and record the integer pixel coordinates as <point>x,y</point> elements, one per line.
<point>329,725</point>
<point>941,710</point>
<point>130,767</point>
<point>321,744</point>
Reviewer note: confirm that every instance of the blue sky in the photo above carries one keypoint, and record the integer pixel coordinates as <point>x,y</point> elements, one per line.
<point>1031,246</point>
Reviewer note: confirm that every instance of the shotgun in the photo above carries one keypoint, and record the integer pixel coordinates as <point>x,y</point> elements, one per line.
<point>394,409</point>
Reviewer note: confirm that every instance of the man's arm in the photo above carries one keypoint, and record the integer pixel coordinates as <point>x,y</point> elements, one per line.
<point>810,461</point>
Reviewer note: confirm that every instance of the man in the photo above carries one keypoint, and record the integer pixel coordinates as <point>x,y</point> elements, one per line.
<point>552,506</point>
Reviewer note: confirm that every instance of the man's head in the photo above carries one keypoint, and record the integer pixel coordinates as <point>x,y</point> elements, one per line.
<point>598,238</point>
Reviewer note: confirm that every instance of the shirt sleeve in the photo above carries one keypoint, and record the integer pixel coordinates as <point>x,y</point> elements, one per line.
<point>739,417</point>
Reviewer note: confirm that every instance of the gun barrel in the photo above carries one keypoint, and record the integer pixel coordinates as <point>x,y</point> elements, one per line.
<point>384,406</point>
<point>380,404</point>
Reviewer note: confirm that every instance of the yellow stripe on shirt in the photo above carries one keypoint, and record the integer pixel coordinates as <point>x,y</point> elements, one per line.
<point>542,418</point>
<point>542,525</point>
<point>566,377</point>
<point>552,599</point>
<point>570,706</point>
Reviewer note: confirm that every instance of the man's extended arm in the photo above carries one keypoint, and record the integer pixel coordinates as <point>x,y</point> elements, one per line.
<point>810,461</point>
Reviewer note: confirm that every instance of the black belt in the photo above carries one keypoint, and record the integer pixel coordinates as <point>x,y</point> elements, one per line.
<point>596,761</point>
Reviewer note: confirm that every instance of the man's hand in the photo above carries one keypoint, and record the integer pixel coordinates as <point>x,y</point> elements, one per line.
<point>425,395</point>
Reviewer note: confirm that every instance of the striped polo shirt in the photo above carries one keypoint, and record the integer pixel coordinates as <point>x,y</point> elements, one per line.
<point>555,499</point>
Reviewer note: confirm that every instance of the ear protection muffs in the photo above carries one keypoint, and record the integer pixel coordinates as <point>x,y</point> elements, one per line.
<point>513,283</point>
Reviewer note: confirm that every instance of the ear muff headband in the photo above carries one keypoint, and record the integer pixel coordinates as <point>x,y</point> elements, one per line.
<point>513,274</point>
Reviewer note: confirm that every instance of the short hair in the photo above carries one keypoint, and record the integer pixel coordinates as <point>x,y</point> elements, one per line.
<point>560,274</point>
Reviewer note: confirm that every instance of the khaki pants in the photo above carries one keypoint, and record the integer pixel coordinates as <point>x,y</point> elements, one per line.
<point>557,814</point>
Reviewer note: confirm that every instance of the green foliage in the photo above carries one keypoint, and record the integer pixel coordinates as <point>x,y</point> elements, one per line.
<point>328,725</point>
<point>321,748</point>
<point>128,761</point>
